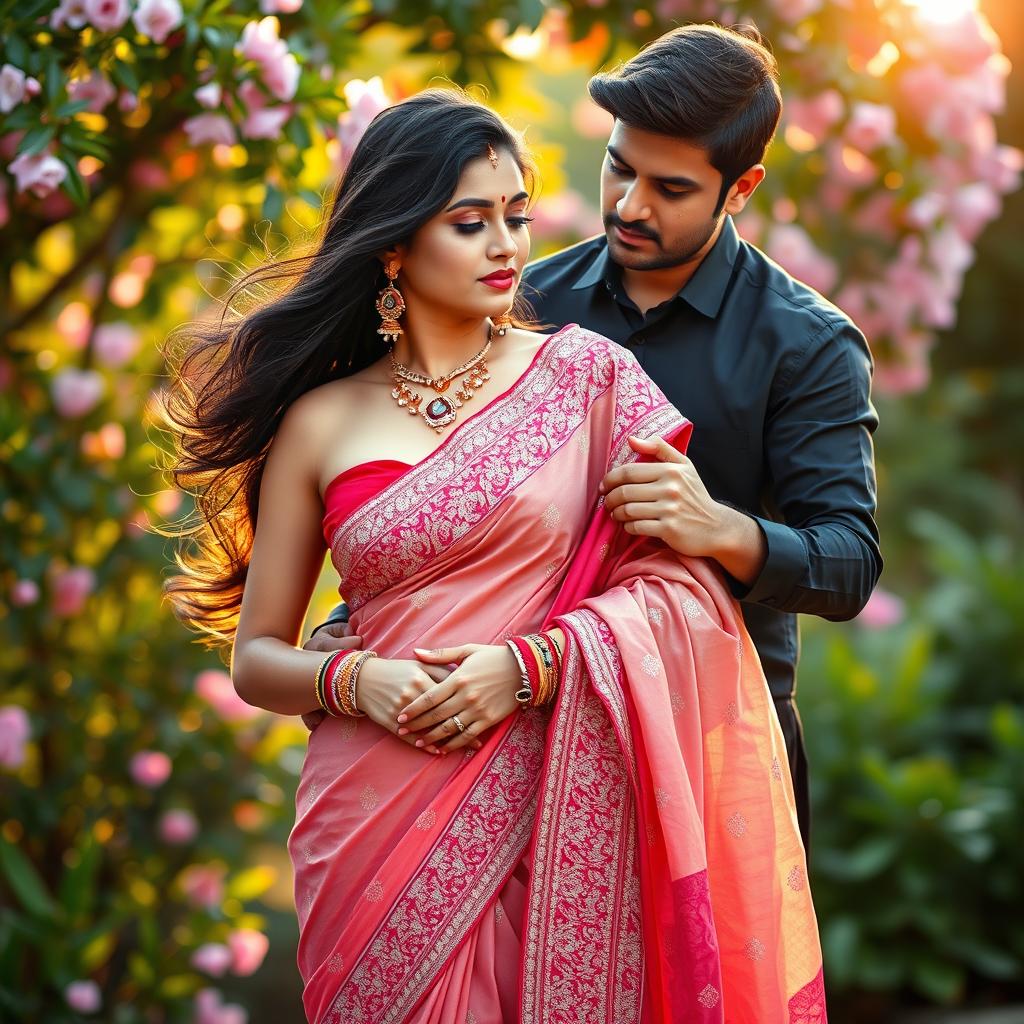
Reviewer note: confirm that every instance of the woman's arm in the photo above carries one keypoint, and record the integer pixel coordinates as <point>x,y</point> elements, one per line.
<point>287,554</point>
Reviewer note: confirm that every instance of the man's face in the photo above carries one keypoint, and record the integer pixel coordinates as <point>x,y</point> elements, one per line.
<point>658,200</point>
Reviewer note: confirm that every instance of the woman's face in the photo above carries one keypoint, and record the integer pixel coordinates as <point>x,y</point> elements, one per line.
<point>466,261</point>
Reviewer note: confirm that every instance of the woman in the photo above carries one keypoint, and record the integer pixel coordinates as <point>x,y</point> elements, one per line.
<point>605,832</point>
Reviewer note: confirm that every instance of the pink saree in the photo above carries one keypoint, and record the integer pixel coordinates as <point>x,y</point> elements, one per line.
<point>629,855</point>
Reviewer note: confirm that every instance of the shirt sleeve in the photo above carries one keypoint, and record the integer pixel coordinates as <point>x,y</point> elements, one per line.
<point>823,555</point>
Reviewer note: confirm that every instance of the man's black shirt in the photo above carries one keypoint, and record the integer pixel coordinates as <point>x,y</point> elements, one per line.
<point>777,383</point>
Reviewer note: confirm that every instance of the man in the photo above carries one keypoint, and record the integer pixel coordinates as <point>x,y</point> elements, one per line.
<point>778,484</point>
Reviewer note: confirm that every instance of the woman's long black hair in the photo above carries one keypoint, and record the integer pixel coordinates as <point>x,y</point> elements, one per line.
<point>234,378</point>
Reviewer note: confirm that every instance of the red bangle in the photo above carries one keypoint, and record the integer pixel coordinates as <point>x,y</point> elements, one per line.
<point>529,661</point>
<point>331,675</point>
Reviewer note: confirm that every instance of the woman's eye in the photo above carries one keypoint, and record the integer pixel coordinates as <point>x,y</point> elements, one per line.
<point>615,169</point>
<point>469,229</point>
<point>520,222</point>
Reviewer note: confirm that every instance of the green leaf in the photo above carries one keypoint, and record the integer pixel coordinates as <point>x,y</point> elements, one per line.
<point>125,75</point>
<point>77,887</point>
<point>74,184</point>
<point>86,146</point>
<point>298,133</point>
<point>25,883</point>
<point>273,203</point>
<point>16,51</point>
<point>53,80</point>
<point>939,981</point>
<point>37,139</point>
<point>71,107</point>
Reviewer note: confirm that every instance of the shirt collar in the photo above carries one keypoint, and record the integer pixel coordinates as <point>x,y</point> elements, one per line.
<point>704,291</point>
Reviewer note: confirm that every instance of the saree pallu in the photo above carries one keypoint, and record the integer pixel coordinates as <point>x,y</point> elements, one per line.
<point>629,855</point>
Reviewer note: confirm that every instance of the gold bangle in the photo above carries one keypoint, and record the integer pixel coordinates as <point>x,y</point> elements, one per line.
<point>318,681</point>
<point>353,680</point>
<point>343,686</point>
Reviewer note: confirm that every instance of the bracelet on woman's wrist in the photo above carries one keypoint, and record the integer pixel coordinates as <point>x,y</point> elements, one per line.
<point>335,683</point>
<point>540,664</point>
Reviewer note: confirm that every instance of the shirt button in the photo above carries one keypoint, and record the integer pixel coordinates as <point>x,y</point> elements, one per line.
<point>638,339</point>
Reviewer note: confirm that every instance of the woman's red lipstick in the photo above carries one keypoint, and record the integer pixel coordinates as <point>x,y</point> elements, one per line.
<point>502,279</point>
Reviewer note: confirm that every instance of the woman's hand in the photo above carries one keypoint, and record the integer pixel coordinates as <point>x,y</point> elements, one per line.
<point>385,686</point>
<point>481,691</point>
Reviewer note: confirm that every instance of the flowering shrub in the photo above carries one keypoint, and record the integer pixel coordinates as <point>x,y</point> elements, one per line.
<point>133,133</point>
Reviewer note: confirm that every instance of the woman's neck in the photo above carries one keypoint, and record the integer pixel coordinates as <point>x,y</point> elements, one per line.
<point>435,348</point>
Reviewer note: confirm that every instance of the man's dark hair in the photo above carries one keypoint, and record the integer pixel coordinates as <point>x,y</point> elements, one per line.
<point>715,87</point>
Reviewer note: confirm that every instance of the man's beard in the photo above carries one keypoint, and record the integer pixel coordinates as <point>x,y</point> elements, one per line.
<point>683,251</point>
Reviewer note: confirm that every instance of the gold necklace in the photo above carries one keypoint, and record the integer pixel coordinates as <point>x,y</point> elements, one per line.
<point>442,410</point>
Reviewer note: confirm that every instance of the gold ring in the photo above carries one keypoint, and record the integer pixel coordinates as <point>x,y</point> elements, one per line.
<point>458,723</point>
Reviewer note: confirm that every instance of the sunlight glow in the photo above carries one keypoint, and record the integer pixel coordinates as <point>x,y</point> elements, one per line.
<point>942,11</point>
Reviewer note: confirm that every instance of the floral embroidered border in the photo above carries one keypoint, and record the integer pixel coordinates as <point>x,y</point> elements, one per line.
<point>461,875</point>
<point>438,501</point>
<point>583,946</point>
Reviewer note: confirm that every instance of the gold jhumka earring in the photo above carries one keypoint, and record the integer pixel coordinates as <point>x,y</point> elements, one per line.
<point>501,324</point>
<point>390,306</point>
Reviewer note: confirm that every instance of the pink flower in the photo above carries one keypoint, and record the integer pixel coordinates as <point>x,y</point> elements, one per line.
<point>71,13</point>
<point>107,15</point>
<point>925,210</point>
<point>282,76</point>
<point>178,827</point>
<point>280,6</point>
<point>261,43</point>
<point>962,43</point>
<point>83,996</point>
<point>871,125</point>
<point>76,392</point>
<point>149,174</point>
<point>70,588</point>
<point>12,87</point>
<point>972,207</point>
<point>365,101</point>
<point>1001,168</point>
<point>213,958</point>
<point>115,343</point>
<point>248,948</point>
<point>815,115</point>
<point>211,1009</point>
<point>203,885</point>
<point>150,768</point>
<point>565,213</point>
<point>14,733</point>
<point>24,593</point>
<point>216,688</point>
<point>796,10</point>
<point>127,101</point>
<point>791,247</point>
<point>96,89</point>
<point>882,610</point>
<point>157,18</point>
<point>213,128</point>
<point>39,174</point>
<point>266,123</point>
<point>279,68</point>
<point>209,95</point>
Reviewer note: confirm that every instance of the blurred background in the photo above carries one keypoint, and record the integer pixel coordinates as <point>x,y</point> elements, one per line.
<point>152,149</point>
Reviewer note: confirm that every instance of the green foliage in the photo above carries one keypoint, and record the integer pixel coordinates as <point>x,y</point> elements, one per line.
<point>916,740</point>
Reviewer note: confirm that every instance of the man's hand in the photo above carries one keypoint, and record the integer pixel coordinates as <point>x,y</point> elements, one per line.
<point>333,637</point>
<point>667,499</point>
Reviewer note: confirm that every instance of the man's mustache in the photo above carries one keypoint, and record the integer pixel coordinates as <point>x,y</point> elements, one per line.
<point>611,220</point>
